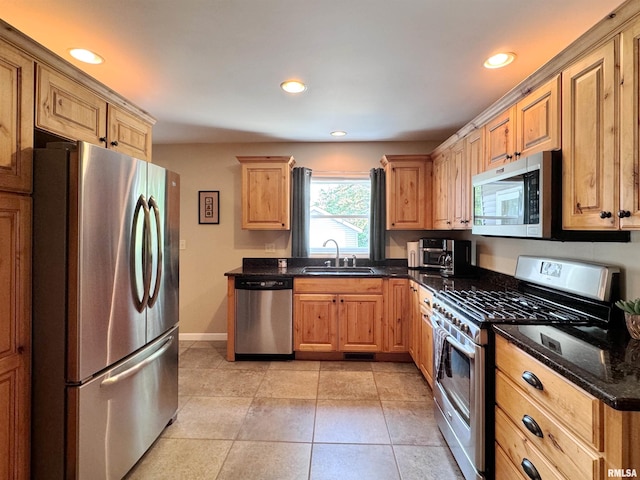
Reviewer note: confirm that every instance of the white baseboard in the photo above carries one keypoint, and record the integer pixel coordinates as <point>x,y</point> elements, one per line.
<point>207,337</point>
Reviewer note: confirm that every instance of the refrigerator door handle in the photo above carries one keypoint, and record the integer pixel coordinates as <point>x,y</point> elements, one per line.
<point>140,303</point>
<point>153,294</point>
<point>136,368</point>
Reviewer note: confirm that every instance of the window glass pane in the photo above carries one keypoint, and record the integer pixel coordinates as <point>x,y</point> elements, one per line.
<point>340,210</point>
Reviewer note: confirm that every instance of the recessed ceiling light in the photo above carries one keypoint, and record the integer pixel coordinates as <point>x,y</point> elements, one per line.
<point>293,86</point>
<point>338,133</point>
<point>86,56</point>
<point>499,60</point>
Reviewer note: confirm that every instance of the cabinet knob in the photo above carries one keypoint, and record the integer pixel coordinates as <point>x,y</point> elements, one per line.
<point>624,213</point>
<point>604,214</point>
<point>103,139</point>
<point>114,143</point>
<point>517,154</point>
<point>509,157</point>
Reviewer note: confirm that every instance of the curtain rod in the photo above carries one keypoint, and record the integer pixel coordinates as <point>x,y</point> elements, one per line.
<point>341,173</point>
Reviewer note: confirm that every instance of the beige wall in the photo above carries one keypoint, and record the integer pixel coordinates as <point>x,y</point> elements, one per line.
<point>212,250</point>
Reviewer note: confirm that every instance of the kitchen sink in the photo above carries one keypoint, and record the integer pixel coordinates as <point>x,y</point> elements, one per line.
<point>338,270</point>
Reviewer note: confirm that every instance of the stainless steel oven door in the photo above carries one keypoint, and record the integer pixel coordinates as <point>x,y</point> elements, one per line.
<point>460,402</point>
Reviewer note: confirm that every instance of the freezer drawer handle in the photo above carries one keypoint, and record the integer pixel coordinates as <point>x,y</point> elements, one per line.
<point>135,369</point>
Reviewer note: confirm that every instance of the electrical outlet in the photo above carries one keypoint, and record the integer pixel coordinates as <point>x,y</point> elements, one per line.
<point>183,244</point>
<point>270,247</point>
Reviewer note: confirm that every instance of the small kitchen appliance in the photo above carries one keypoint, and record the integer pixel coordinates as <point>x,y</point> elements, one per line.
<point>413,254</point>
<point>457,259</point>
<point>432,253</point>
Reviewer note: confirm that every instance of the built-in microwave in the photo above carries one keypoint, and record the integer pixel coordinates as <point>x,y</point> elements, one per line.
<point>516,199</point>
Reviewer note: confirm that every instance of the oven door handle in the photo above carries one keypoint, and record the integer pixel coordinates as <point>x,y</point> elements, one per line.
<point>469,353</point>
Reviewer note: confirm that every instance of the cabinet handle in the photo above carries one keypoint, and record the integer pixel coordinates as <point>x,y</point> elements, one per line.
<point>532,426</point>
<point>509,157</point>
<point>114,143</point>
<point>530,469</point>
<point>517,154</point>
<point>341,300</point>
<point>532,380</point>
<point>624,213</point>
<point>334,300</point>
<point>604,214</point>
<point>103,139</point>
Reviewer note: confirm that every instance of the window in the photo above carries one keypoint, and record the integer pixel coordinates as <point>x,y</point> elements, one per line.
<point>339,209</point>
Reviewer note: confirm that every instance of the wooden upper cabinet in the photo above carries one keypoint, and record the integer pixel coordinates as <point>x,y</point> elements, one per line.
<point>266,192</point>
<point>408,180</point>
<point>589,141</point>
<point>499,134</point>
<point>538,120</point>
<point>68,109</point>
<point>629,211</point>
<point>452,188</point>
<point>474,150</point>
<point>16,119</point>
<point>15,335</point>
<point>532,125</point>
<point>441,191</point>
<point>129,134</point>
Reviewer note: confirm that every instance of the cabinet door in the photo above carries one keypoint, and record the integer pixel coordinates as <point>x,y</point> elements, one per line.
<point>398,324</point>
<point>589,141</point>
<point>16,119</point>
<point>500,139</point>
<point>406,195</point>
<point>538,120</point>
<point>315,323</point>
<point>426,344</point>
<point>459,180</point>
<point>68,109</point>
<point>360,323</point>
<point>128,134</point>
<point>629,212</point>
<point>15,339</point>
<point>441,191</point>
<point>474,162</point>
<point>266,196</point>
<point>416,335</point>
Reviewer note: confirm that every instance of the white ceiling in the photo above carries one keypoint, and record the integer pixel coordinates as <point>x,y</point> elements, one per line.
<point>383,70</point>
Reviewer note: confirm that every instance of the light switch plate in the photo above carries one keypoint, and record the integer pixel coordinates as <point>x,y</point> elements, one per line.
<point>183,244</point>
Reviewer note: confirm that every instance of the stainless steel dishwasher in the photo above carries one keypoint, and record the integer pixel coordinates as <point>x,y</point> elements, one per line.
<point>264,318</point>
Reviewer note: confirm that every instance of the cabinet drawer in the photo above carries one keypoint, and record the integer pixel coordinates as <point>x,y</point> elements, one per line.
<point>513,444</point>
<point>579,410</point>
<point>504,468</point>
<point>337,285</point>
<point>573,458</point>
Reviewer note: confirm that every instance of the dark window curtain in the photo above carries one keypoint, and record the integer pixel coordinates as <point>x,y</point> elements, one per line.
<point>377,222</point>
<point>300,212</point>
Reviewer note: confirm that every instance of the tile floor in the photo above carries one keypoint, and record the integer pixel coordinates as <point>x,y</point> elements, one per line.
<point>298,420</point>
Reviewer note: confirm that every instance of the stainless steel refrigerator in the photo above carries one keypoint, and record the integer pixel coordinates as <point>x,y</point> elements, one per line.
<point>105,310</point>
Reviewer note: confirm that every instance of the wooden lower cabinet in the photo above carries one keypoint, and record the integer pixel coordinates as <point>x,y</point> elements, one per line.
<point>397,323</point>
<point>559,430</point>
<point>425,298</point>
<point>15,335</point>
<point>415,335</point>
<point>331,315</point>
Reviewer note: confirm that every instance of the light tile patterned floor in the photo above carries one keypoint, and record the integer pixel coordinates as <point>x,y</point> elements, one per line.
<point>298,420</point>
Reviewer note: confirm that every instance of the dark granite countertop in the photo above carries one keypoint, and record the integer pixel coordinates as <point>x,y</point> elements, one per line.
<point>604,363</point>
<point>393,268</point>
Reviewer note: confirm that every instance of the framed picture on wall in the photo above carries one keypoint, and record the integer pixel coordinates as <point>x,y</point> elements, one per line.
<point>209,207</point>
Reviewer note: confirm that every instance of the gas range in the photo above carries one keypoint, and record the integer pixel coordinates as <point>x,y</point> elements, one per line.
<point>551,292</point>
<point>554,291</point>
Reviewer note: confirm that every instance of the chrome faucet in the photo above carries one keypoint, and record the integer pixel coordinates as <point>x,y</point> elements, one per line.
<point>337,250</point>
